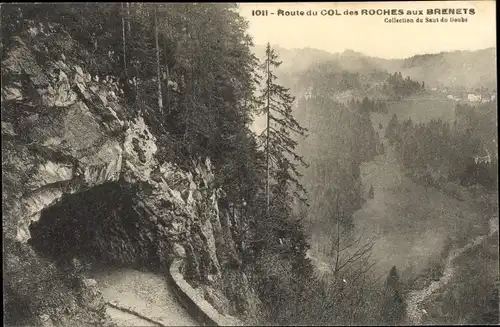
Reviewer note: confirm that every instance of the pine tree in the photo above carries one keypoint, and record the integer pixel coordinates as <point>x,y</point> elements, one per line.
<point>158,69</point>
<point>279,144</point>
<point>370,192</point>
<point>382,149</point>
<point>394,307</point>
<point>128,19</point>
<point>124,40</point>
<point>391,129</point>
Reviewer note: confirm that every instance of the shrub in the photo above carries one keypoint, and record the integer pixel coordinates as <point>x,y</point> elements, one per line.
<point>292,298</point>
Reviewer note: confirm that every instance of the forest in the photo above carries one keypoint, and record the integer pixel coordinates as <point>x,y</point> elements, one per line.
<point>437,152</point>
<point>189,71</point>
<point>336,151</point>
<point>460,159</point>
<point>398,87</point>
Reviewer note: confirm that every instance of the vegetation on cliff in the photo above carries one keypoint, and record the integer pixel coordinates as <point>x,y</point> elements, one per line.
<point>85,85</point>
<point>187,69</point>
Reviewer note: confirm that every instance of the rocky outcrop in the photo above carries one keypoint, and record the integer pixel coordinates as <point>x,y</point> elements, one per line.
<point>61,146</point>
<point>64,133</point>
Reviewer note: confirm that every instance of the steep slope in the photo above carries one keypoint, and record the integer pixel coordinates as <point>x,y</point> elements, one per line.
<point>296,60</point>
<point>462,69</point>
<point>80,176</point>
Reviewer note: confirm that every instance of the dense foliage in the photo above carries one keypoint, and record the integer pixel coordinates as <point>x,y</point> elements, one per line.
<point>370,105</point>
<point>437,152</point>
<point>394,306</point>
<point>343,137</point>
<point>189,71</point>
<point>398,87</point>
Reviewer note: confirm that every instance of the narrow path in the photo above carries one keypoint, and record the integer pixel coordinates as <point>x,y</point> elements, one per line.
<point>124,318</point>
<point>137,298</point>
<point>415,298</point>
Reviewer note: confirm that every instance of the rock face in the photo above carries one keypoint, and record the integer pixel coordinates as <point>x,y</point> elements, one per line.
<point>65,134</point>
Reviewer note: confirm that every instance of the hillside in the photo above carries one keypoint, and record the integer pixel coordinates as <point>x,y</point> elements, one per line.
<point>467,69</point>
<point>113,120</point>
<point>296,60</point>
<point>136,192</point>
<point>457,69</point>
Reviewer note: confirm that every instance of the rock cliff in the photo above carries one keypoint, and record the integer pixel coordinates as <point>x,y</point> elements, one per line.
<point>76,159</point>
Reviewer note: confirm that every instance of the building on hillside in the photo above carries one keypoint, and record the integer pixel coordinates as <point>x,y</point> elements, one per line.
<point>474,97</point>
<point>483,159</point>
<point>493,97</point>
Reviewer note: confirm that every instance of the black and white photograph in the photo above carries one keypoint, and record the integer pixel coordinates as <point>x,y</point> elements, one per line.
<point>249,164</point>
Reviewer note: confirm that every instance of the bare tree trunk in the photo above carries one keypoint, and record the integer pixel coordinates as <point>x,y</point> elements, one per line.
<point>337,254</point>
<point>1,36</point>
<point>128,19</point>
<point>167,71</point>
<point>124,41</point>
<point>158,73</point>
<point>268,129</point>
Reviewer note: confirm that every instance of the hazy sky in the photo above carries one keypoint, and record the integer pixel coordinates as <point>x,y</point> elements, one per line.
<point>370,34</point>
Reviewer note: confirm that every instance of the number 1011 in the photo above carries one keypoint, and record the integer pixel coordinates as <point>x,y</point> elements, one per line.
<point>260,13</point>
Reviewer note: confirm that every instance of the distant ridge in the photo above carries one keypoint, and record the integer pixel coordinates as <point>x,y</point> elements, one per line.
<point>460,68</point>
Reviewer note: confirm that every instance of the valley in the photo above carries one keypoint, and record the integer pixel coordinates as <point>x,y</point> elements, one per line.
<point>174,164</point>
<point>422,231</point>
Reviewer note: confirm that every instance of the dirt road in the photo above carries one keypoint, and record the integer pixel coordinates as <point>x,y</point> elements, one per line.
<point>414,313</point>
<point>144,293</point>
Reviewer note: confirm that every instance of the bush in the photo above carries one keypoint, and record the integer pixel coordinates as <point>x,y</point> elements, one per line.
<point>300,299</point>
